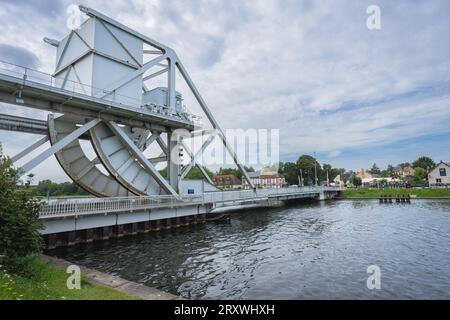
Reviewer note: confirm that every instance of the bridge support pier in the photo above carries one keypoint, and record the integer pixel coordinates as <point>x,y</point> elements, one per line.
<point>118,231</point>
<point>155,225</point>
<point>72,238</point>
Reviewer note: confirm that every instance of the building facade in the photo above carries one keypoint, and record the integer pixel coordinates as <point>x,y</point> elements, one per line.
<point>227,181</point>
<point>439,175</point>
<point>266,180</point>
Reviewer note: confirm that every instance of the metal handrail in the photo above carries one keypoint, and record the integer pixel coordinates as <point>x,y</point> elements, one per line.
<point>56,208</point>
<point>42,78</point>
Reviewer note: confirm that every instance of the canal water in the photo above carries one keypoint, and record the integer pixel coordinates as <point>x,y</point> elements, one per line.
<point>302,251</point>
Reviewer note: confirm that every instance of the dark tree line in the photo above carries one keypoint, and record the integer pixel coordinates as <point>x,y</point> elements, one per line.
<point>49,188</point>
<point>308,168</point>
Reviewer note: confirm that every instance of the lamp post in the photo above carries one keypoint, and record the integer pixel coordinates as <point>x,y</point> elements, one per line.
<point>315,169</point>
<point>301,178</point>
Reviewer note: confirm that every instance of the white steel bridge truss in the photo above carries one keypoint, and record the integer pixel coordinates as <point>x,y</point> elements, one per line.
<point>118,132</point>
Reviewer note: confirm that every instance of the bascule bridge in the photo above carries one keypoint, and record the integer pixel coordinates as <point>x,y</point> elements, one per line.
<point>102,94</point>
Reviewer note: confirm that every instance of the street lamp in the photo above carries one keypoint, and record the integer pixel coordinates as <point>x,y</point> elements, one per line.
<point>315,168</point>
<point>301,178</point>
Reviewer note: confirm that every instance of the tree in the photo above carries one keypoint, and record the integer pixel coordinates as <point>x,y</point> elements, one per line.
<point>382,183</point>
<point>309,165</point>
<point>234,171</point>
<point>332,172</point>
<point>375,169</point>
<point>423,162</point>
<point>356,181</point>
<point>403,165</point>
<point>19,219</point>
<point>249,169</point>
<point>290,172</point>
<point>196,174</point>
<point>389,172</point>
<point>47,187</point>
<point>420,174</point>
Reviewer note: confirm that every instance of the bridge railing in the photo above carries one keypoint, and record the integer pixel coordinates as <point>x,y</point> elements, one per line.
<point>66,207</point>
<point>71,87</point>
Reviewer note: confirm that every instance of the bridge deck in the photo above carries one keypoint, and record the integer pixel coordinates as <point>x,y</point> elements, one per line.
<point>78,207</point>
<point>40,90</point>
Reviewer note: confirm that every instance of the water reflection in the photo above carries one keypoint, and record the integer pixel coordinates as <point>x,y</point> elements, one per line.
<point>313,250</point>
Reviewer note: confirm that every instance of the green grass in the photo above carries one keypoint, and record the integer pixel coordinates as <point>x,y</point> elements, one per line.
<point>375,193</point>
<point>48,282</point>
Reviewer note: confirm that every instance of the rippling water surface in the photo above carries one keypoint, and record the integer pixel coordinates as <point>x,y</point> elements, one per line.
<point>303,251</point>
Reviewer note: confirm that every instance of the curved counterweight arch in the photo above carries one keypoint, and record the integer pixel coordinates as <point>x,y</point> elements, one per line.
<point>76,164</point>
<point>121,163</point>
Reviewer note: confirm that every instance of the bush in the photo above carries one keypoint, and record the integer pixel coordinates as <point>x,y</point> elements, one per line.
<point>19,219</point>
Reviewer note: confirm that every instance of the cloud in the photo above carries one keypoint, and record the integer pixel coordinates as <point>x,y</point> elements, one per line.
<point>334,154</point>
<point>19,56</point>
<point>43,7</point>
<point>310,68</point>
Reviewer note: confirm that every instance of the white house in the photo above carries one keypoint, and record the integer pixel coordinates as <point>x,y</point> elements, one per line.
<point>439,175</point>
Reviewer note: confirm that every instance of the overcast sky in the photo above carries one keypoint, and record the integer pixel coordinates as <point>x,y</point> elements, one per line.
<point>310,68</point>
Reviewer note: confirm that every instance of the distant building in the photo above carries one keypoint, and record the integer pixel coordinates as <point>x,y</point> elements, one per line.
<point>337,181</point>
<point>272,180</point>
<point>227,181</point>
<point>254,178</point>
<point>374,180</point>
<point>266,180</point>
<point>439,175</point>
<point>404,172</point>
<point>347,175</point>
<point>363,174</point>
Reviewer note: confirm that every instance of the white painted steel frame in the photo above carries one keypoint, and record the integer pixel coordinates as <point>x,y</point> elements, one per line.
<point>173,63</point>
<point>57,146</point>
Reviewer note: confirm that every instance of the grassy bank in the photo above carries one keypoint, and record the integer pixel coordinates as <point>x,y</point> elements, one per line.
<point>47,282</point>
<point>375,193</point>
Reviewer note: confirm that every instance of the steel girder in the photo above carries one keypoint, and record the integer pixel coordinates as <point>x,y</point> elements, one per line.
<point>130,172</point>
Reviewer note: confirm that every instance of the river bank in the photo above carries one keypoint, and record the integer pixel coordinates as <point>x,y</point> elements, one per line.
<point>428,193</point>
<point>47,280</point>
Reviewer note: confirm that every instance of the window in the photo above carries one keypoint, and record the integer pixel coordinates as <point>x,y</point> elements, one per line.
<point>442,172</point>
<point>438,180</point>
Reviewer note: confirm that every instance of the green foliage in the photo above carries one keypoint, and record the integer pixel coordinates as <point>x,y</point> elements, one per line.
<point>356,181</point>
<point>46,282</point>
<point>375,169</point>
<point>47,187</point>
<point>403,165</point>
<point>19,219</point>
<point>290,172</point>
<point>196,174</point>
<point>309,167</point>
<point>423,162</point>
<point>389,172</point>
<point>163,172</point>
<point>376,193</point>
<point>234,171</point>
<point>332,172</point>
<point>420,174</point>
